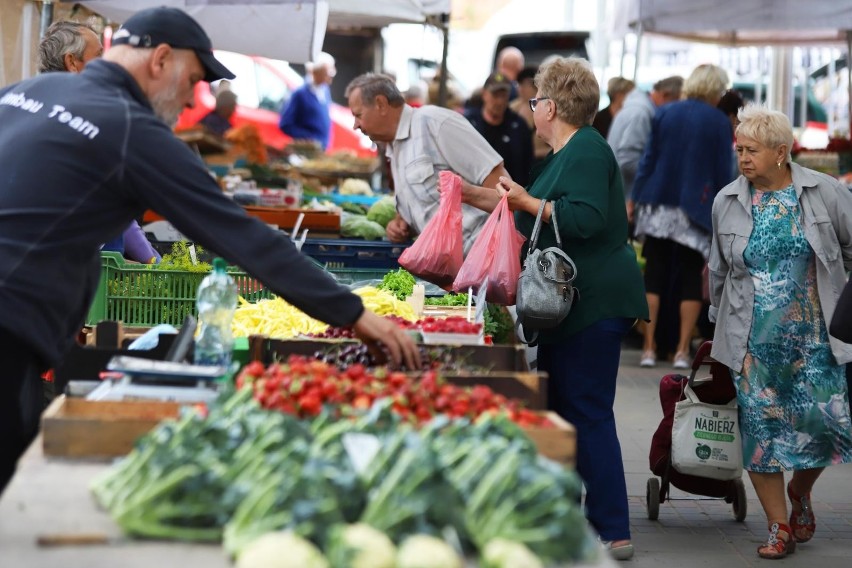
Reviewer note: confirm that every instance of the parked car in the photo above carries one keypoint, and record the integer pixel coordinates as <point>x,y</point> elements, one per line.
<point>263,86</point>
<point>538,46</point>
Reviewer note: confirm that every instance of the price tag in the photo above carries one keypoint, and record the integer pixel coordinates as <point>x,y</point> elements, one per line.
<point>361,449</point>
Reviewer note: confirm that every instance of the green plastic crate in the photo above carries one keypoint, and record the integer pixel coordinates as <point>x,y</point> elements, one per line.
<point>142,295</point>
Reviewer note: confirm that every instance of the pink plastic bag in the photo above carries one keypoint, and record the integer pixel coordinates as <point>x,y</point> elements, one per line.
<point>496,253</point>
<point>437,254</point>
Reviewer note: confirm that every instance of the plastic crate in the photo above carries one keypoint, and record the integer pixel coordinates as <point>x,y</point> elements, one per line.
<point>354,253</point>
<point>144,295</point>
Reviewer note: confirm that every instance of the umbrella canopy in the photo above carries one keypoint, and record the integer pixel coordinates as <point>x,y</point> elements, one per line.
<point>292,30</point>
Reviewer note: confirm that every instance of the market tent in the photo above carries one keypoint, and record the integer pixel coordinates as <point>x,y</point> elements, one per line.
<point>745,22</point>
<point>373,13</point>
<point>292,30</point>
<point>780,23</point>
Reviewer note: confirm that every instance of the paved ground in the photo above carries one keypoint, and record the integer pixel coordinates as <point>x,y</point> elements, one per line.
<point>695,531</point>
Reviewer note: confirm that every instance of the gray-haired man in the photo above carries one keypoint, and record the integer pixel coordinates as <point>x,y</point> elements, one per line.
<point>68,46</point>
<point>420,143</point>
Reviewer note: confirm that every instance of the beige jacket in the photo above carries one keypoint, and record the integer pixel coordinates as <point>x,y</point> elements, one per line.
<point>827,219</point>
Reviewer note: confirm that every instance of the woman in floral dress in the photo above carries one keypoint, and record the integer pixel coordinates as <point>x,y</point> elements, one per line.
<point>782,243</point>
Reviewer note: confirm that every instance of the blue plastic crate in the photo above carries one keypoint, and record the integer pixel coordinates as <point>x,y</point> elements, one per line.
<point>354,253</point>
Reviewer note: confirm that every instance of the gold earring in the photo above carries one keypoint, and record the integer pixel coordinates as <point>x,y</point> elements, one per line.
<point>779,165</point>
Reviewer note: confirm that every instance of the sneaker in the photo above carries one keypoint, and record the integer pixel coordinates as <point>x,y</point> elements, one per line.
<point>649,359</point>
<point>681,361</point>
<point>622,552</point>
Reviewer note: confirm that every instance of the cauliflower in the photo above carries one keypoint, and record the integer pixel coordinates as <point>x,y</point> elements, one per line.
<point>281,550</point>
<point>503,553</point>
<point>424,551</point>
<point>355,186</point>
<point>360,546</point>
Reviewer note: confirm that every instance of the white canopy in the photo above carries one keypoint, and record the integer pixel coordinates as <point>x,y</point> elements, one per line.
<point>292,30</point>
<point>373,13</point>
<point>744,22</point>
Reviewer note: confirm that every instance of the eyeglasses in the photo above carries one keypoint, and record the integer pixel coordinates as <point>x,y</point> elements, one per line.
<point>534,102</point>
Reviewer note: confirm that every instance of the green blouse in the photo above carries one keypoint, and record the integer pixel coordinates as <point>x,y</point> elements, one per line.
<point>584,180</point>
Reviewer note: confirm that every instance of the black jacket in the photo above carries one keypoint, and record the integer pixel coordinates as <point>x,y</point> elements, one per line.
<point>83,155</point>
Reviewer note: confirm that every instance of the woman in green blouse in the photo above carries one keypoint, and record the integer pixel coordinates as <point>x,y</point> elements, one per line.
<point>581,179</point>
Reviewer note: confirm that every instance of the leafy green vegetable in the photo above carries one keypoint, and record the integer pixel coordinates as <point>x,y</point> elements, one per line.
<point>447,300</point>
<point>382,211</point>
<point>498,324</point>
<point>359,226</point>
<point>399,282</point>
<point>180,259</point>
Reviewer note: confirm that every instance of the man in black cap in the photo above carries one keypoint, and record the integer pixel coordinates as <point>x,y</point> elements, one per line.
<point>82,155</point>
<point>504,129</point>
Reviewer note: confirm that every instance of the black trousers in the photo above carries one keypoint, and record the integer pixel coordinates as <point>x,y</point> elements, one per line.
<point>21,401</point>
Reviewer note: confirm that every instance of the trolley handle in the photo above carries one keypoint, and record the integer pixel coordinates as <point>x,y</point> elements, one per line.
<point>702,359</point>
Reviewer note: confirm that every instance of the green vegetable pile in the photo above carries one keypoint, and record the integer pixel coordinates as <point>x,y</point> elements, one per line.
<point>242,473</point>
<point>399,282</point>
<point>180,259</point>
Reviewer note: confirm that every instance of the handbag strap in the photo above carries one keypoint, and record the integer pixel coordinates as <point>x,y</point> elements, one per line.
<point>538,221</point>
<point>537,227</point>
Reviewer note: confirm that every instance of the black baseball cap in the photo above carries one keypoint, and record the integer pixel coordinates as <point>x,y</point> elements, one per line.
<point>498,82</point>
<point>154,26</point>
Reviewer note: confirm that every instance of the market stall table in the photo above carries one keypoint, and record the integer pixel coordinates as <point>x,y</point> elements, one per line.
<point>49,497</point>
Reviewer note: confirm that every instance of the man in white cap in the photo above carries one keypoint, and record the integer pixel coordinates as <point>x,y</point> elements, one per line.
<point>306,115</point>
<point>82,155</point>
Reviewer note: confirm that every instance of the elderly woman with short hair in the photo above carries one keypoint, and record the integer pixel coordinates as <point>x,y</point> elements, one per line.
<point>782,243</point>
<point>581,183</point>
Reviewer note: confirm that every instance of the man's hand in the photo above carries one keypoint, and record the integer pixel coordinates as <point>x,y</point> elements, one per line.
<point>376,332</point>
<point>398,230</point>
<point>631,208</point>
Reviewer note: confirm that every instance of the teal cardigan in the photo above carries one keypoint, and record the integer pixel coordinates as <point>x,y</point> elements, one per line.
<point>584,180</point>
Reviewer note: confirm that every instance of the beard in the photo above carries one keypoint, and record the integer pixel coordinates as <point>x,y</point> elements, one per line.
<point>165,103</point>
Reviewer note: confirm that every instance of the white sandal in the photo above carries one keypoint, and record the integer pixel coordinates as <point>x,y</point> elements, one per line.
<point>623,552</point>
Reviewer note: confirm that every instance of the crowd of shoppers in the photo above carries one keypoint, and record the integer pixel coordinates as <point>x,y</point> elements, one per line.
<point>776,237</point>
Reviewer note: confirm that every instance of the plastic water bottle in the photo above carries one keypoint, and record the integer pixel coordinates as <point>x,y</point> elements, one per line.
<point>217,300</point>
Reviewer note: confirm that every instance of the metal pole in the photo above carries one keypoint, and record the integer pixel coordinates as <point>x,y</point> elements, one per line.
<point>46,17</point>
<point>442,86</point>
<point>27,21</point>
<point>849,79</point>
<point>638,49</point>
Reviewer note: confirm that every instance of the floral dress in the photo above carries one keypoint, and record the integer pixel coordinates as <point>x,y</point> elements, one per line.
<point>792,395</point>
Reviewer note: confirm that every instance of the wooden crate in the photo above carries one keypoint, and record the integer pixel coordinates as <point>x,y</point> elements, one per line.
<point>77,428</point>
<point>557,442</point>
<point>506,366</point>
<point>284,218</point>
<point>530,388</point>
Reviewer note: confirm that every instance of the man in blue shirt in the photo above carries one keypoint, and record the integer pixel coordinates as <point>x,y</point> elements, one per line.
<point>84,154</point>
<point>305,116</point>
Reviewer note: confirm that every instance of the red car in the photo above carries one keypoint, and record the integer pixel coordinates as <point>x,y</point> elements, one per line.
<point>263,86</point>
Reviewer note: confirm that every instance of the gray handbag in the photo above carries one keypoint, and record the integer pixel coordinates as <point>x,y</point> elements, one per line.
<point>545,294</point>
